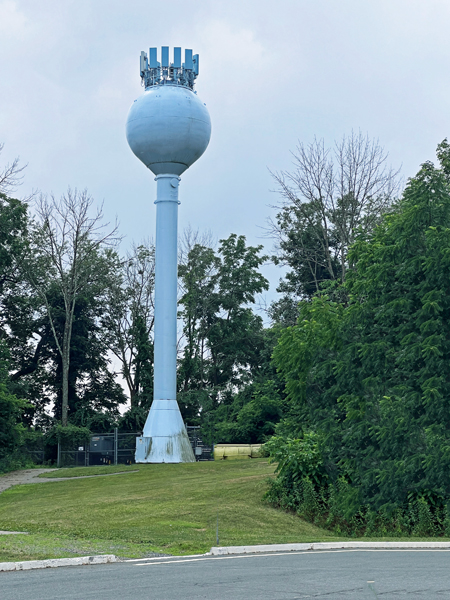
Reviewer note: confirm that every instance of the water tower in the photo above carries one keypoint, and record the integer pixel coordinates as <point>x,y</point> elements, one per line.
<point>168,129</point>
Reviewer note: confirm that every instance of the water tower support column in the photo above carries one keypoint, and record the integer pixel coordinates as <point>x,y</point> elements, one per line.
<point>165,438</point>
<point>165,362</point>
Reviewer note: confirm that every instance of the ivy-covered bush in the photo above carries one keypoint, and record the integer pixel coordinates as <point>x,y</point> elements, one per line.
<point>69,437</point>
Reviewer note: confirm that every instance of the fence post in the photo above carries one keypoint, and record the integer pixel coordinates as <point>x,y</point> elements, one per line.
<point>58,458</point>
<point>116,444</point>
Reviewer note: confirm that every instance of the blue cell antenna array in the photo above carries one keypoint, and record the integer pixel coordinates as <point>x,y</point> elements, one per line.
<point>165,72</point>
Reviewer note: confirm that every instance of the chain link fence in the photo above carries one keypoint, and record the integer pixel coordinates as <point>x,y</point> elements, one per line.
<point>118,449</point>
<point>103,449</point>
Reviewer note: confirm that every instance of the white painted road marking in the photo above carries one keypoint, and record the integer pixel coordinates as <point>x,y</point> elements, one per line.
<point>159,560</point>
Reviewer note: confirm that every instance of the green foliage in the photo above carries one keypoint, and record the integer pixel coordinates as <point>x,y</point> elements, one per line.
<point>91,385</point>
<point>68,436</point>
<point>370,375</point>
<point>11,429</point>
<point>302,248</point>
<point>297,459</point>
<point>133,419</point>
<point>252,416</point>
<point>223,338</point>
<point>330,195</point>
<point>129,319</point>
<point>142,362</point>
<point>25,279</point>
<point>300,474</point>
<point>13,235</point>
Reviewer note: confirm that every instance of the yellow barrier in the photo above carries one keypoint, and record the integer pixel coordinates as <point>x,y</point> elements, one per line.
<point>222,451</point>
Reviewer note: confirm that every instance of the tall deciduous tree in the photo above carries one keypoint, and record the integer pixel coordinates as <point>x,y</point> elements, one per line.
<point>326,199</point>
<point>67,253</point>
<point>130,321</point>
<point>93,394</point>
<point>223,338</point>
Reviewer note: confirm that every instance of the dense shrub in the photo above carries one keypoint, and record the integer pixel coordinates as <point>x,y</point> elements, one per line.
<point>370,376</point>
<point>303,486</point>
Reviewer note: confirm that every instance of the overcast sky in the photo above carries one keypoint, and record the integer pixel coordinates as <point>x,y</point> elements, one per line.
<point>271,73</point>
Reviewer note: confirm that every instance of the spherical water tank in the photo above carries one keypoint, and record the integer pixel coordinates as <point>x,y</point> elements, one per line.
<point>168,128</point>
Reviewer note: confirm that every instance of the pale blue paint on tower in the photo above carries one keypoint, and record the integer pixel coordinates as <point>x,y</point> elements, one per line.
<point>168,129</point>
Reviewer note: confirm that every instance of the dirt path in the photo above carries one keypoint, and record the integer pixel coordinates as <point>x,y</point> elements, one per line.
<point>32,476</point>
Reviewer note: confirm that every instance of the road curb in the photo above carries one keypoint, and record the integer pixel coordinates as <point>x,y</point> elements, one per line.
<point>224,550</point>
<point>58,562</point>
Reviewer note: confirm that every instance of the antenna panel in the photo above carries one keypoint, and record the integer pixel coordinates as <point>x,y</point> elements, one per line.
<point>144,63</point>
<point>165,57</point>
<point>188,64</point>
<point>154,58</point>
<point>177,58</point>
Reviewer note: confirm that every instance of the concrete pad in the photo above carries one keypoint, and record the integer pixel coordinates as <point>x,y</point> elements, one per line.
<point>13,532</point>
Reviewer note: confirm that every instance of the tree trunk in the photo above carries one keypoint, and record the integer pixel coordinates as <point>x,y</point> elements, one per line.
<point>65,390</point>
<point>133,394</point>
<point>65,371</point>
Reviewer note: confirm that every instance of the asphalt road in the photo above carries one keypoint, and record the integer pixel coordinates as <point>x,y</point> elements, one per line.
<point>336,574</point>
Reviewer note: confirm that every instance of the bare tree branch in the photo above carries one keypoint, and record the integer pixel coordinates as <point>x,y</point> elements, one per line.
<point>328,196</point>
<point>11,176</point>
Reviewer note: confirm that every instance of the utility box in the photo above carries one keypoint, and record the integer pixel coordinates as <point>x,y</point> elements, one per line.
<point>101,450</point>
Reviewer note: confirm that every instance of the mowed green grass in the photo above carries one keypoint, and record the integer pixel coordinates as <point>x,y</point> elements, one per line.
<point>163,508</point>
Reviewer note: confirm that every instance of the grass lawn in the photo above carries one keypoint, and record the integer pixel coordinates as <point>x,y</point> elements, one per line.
<point>162,508</point>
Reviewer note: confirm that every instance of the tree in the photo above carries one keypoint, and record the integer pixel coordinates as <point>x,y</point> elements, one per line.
<point>11,410</point>
<point>93,394</point>
<point>20,309</point>
<point>198,276</point>
<point>252,416</point>
<point>328,197</point>
<point>130,320</point>
<point>223,338</point>
<point>67,252</point>
<point>13,247</point>
<point>370,376</point>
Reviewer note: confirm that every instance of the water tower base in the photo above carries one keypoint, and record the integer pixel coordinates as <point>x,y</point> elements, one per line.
<point>164,449</point>
<point>165,439</point>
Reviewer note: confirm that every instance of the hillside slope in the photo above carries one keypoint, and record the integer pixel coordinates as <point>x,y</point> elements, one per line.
<point>161,508</point>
